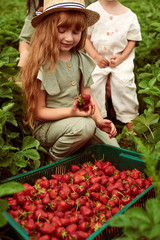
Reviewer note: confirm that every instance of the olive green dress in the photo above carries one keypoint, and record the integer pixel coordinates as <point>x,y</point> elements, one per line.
<point>64,137</point>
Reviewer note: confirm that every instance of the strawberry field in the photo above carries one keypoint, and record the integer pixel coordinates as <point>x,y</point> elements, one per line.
<point>20,153</point>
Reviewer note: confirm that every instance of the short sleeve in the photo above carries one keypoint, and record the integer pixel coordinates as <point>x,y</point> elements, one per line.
<point>134,32</point>
<point>27,29</point>
<point>49,81</point>
<point>87,65</point>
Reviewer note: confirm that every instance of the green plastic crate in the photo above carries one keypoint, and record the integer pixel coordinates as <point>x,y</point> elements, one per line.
<point>121,158</point>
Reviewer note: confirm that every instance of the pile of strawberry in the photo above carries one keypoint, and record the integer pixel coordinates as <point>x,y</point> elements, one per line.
<point>77,203</point>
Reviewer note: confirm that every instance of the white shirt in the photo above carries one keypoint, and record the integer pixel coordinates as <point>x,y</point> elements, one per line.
<point>111,33</point>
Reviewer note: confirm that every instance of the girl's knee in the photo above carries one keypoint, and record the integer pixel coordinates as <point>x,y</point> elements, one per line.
<point>86,128</point>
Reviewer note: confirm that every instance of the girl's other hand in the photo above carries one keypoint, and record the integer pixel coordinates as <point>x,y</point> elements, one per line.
<point>108,127</point>
<point>101,61</point>
<point>76,112</point>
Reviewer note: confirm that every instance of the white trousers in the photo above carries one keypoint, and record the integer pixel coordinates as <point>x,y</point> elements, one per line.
<point>123,94</point>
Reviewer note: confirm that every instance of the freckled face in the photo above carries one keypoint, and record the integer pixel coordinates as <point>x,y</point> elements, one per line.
<point>68,38</point>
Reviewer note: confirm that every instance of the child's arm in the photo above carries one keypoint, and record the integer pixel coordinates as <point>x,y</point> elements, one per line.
<point>101,61</point>
<point>44,113</point>
<point>104,124</point>
<point>117,59</point>
<point>23,50</point>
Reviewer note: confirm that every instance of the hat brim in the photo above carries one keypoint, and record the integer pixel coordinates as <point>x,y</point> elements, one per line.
<point>92,16</point>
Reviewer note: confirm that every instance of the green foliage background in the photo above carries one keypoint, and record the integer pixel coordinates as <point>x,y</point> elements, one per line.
<point>19,152</point>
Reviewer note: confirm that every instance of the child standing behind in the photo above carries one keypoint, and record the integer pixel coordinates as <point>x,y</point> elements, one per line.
<point>111,43</point>
<point>55,73</point>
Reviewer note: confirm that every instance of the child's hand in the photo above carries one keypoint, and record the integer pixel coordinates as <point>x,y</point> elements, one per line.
<point>115,60</point>
<point>101,61</point>
<point>76,112</point>
<point>108,127</point>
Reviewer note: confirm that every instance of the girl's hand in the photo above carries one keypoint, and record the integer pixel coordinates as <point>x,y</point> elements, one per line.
<point>115,60</point>
<point>76,112</point>
<point>101,61</point>
<point>108,127</point>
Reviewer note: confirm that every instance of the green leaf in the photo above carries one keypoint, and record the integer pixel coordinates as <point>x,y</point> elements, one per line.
<point>31,154</point>
<point>29,142</point>
<point>158,104</point>
<point>19,160</point>
<point>138,214</point>
<point>10,188</point>
<point>149,101</point>
<point>120,221</point>
<point>5,92</point>
<point>147,120</point>
<point>3,205</point>
<point>152,82</point>
<point>7,106</point>
<point>4,161</point>
<point>152,208</point>
<point>3,220</point>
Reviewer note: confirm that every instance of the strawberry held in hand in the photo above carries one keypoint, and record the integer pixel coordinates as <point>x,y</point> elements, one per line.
<point>83,101</point>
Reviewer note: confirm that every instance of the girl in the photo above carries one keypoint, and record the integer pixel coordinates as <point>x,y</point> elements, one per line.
<point>55,73</point>
<point>27,30</point>
<point>110,43</point>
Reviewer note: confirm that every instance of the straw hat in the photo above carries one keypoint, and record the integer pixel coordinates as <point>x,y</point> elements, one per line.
<point>51,6</point>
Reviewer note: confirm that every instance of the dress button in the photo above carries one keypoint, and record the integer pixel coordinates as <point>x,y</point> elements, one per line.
<point>73,83</point>
<point>110,17</point>
<point>69,65</point>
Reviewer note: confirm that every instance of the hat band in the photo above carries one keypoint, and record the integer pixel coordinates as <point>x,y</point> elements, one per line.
<point>66,5</point>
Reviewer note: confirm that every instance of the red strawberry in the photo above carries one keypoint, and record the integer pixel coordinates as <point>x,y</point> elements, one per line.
<point>104,198</point>
<point>47,228</point>
<point>134,191</point>
<point>109,170</point>
<point>65,221</point>
<point>30,224</point>
<point>83,226</point>
<point>53,193</point>
<point>46,200</point>
<point>98,164</point>
<point>66,178</point>
<point>71,228</point>
<point>95,195</point>
<point>95,188</point>
<point>40,214</point>
<point>61,232</point>
<point>126,199</point>
<point>79,235</point>
<point>44,237</point>
<point>95,179</point>
<point>74,195</point>
<point>104,180</point>
<point>63,206</point>
<point>77,178</point>
<point>83,101</point>
<point>86,211</point>
<point>75,168</point>
<point>115,210</point>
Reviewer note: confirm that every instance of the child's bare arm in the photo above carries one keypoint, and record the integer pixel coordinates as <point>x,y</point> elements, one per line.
<point>23,50</point>
<point>101,61</point>
<point>117,59</point>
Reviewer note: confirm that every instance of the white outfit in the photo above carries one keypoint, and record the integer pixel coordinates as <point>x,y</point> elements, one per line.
<point>109,37</point>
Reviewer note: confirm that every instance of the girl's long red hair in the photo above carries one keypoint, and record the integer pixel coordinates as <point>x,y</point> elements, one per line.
<point>44,48</point>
